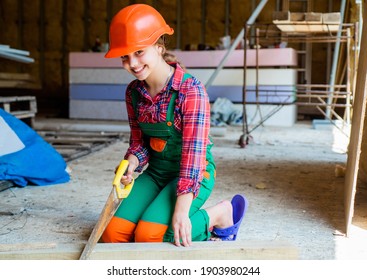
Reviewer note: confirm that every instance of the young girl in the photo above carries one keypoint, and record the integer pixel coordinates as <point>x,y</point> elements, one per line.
<point>169,117</point>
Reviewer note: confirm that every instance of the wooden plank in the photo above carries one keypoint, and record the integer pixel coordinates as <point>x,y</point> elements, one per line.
<point>314,21</point>
<point>331,18</point>
<point>19,84</point>
<point>25,246</point>
<point>297,17</point>
<point>237,250</point>
<point>16,76</point>
<point>313,17</point>
<point>23,114</point>
<point>355,142</point>
<point>284,26</point>
<point>281,15</point>
<point>8,99</point>
<point>307,22</point>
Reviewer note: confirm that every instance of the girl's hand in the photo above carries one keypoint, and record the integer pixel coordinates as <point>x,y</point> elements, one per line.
<point>181,223</point>
<point>128,176</point>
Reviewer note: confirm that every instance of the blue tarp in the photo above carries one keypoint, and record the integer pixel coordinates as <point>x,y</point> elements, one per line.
<point>25,157</point>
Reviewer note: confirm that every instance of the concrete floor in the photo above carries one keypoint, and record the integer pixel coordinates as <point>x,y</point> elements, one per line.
<point>287,174</point>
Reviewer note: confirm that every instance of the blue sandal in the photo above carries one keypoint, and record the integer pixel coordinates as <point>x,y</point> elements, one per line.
<point>239,204</point>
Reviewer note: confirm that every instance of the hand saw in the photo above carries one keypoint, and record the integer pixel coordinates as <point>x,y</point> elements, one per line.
<point>114,199</point>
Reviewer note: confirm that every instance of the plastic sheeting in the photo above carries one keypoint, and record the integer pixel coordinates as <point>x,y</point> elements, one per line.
<point>25,158</point>
<point>223,112</point>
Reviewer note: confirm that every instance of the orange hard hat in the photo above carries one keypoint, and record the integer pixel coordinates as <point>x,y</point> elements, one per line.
<point>135,27</point>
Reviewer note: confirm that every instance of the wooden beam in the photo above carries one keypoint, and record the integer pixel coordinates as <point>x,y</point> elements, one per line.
<point>16,76</point>
<point>356,134</point>
<point>25,246</point>
<point>236,250</point>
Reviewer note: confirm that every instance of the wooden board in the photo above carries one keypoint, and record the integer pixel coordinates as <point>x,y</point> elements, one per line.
<point>18,80</point>
<point>22,107</point>
<point>237,250</point>
<point>307,22</point>
<point>359,114</point>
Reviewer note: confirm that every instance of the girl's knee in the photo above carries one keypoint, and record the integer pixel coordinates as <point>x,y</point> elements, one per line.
<point>150,232</point>
<point>118,230</point>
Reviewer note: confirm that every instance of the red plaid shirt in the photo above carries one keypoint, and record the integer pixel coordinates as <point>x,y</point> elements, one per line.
<point>191,118</point>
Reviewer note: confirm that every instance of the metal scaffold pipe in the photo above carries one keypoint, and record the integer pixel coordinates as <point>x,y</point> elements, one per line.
<point>235,43</point>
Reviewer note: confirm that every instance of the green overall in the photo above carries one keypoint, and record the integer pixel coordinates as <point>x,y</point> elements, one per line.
<point>153,196</point>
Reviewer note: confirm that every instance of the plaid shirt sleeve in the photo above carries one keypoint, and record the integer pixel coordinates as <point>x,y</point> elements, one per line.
<point>195,110</point>
<point>136,146</point>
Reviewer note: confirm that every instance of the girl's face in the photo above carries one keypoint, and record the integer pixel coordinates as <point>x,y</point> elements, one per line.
<point>143,62</point>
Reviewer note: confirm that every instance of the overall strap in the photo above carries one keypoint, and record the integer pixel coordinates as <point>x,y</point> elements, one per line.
<point>171,106</point>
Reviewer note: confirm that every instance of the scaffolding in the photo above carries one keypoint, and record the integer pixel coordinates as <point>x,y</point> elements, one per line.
<point>334,101</point>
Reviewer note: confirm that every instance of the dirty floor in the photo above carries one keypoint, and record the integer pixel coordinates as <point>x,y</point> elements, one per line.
<point>290,176</point>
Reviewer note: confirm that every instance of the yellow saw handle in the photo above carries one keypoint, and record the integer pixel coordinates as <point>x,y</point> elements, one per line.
<point>121,170</point>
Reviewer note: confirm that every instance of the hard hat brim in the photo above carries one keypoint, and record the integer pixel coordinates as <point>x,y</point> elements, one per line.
<point>121,51</point>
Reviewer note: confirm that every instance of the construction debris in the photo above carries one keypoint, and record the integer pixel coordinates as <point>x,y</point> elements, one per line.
<point>75,144</point>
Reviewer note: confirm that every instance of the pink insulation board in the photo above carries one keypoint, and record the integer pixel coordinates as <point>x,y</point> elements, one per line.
<point>211,59</point>
<point>198,59</point>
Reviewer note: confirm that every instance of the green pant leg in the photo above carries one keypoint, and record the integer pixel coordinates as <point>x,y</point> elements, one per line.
<point>142,194</point>
<point>161,208</point>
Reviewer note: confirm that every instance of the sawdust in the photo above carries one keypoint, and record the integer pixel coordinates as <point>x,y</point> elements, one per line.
<point>287,174</point>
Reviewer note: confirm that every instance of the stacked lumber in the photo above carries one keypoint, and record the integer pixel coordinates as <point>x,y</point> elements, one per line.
<point>18,80</point>
<point>307,22</point>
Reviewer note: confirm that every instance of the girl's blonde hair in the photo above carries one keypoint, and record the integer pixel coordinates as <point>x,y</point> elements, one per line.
<point>167,56</point>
